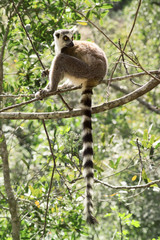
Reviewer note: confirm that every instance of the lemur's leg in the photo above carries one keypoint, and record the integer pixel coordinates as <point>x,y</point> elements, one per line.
<point>66,84</point>
<point>67,64</point>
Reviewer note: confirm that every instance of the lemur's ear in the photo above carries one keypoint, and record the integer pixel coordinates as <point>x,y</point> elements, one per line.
<point>57,35</point>
<point>74,29</point>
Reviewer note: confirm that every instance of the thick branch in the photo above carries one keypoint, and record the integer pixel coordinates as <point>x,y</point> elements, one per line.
<point>101,108</point>
<point>140,100</point>
<point>66,90</point>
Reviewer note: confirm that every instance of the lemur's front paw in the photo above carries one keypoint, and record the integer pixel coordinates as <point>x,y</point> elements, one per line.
<point>40,94</point>
<point>45,73</point>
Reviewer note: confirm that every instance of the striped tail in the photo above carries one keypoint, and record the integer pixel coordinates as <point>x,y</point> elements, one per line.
<point>88,172</point>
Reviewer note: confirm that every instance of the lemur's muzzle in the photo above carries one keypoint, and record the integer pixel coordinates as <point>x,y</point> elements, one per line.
<point>71,44</point>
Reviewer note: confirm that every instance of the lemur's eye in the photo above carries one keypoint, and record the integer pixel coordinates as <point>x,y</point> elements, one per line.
<point>65,38</point>
<point>72,38</point>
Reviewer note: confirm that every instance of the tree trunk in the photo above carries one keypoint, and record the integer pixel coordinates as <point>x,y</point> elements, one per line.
<point>13,207</point>
<point>7,183</point>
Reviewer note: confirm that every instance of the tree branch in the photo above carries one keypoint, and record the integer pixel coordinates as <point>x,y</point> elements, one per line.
<point>140,160</point>
<point>125,45</point>
<point>12,202</point>
<point>28,35</point>
<point>35,49</point>
<point>128,187</point>
<point>37,99</point>
<point>140,100</point>
<point>97,109</point>
<point>135,62</point>
<point>69,89</point>
<point>134,75</point>
<point>65,103</point>
<point>53,171</point>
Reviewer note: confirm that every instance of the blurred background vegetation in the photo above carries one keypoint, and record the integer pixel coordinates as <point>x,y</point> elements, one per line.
<point>126,139</point>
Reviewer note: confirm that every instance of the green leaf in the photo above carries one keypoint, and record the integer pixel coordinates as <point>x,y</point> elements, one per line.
<point>114,165</point>
<point>111,164</point>
<point>151,141</point>
<point>103,137</point>
<point>108,215</point>
<point>135,223</point>
<point>107,6</point>
<point>156,144</point>
<point>132,142</point>
<point>111,139</point>
<point>145,135</point>
<point>144,175</point>
<point>117,162</point>
<point>88,14</point>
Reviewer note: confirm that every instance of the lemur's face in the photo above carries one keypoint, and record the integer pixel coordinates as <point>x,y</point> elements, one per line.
<point>63,39</point>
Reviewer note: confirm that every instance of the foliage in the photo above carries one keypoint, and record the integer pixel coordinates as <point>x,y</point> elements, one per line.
<point>126,139</point>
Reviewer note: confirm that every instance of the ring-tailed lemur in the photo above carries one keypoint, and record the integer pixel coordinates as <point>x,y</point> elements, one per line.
<point>82,63</point>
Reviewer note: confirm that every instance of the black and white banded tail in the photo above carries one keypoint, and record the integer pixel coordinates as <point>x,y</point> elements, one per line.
<point>88,172</point>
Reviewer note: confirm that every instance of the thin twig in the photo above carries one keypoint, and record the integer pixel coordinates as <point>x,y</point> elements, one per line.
<point>28,35</point>
<point>140,159</point>
<point>36,50</point>
<point>74,88</point>
<point>59,17</point>
<point>135,62</point>
<point>64,183</point>
<point>125,67</point>
<point>121,226</point>
<point>114,234</point>
<point>37,99</point>
<point>69,108</point>
<point>125,45</point>
<point>53,171</point>
<point>17,96</point>
<point>75,180</point>
<point>3,196</point>
<point>77,112</point>
<point>134,75</point>
<point>135,58</point>
<point>19,104</point>
<point>128,187</point>
<point>122,50</point>
<point>8,95</point>
<point>137,194</point>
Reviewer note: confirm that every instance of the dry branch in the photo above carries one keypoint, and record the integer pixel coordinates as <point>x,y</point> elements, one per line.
<point>36,99</point>
<point>53,171</point>
<point>128,187</point>
<point>12,202</point>
<point>134,75</point>
<point>127,40</point>
<point>140,100</point>
<point>77,112</point>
